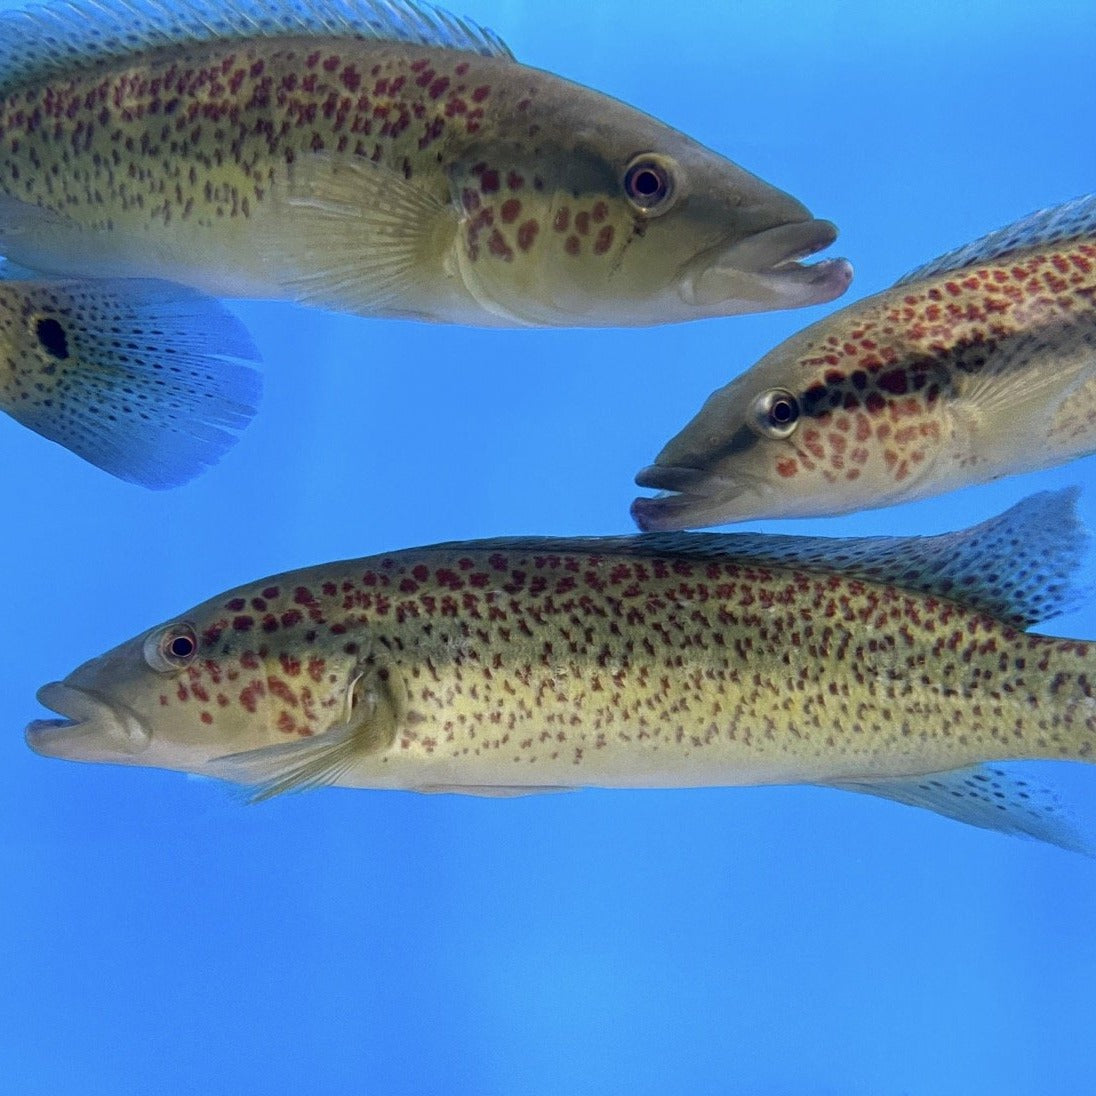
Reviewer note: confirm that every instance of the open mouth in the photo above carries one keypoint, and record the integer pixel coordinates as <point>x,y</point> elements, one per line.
<point>89,729</point>
<point>766,269</point>
<point>692,499</point>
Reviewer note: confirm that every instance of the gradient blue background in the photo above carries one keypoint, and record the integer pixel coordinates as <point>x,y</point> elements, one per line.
<point>157,936</point>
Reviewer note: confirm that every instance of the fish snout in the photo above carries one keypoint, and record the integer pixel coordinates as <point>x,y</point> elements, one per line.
<point>765,270</point>
<point>91,728</point>
<point>692,498</point>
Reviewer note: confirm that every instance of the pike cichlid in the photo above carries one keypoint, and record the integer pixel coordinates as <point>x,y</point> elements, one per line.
<point>383,158</point>
<point>894,666</point>
<point>979,365</point>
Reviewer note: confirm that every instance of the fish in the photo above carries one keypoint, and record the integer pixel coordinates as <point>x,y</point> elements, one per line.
<point>895,666</point>
<point>149,381</point>
<point>980,364</point>
<point>379,158</point>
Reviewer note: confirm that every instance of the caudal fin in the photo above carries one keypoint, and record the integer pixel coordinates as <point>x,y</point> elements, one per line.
<point>145,379</point>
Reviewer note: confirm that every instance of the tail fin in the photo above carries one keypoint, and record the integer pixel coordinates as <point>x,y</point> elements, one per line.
<point>147,380</point>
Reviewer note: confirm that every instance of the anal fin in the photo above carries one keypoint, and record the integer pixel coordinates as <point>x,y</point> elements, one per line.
<point>985,796</point>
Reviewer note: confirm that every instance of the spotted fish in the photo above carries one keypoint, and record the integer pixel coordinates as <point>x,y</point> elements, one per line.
<point>978,365</point>
<point>148,380</point>
<point>894,666</point>
<point>376,156</point>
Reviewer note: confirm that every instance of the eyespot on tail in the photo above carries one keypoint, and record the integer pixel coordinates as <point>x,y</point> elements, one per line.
<point>147,380</point>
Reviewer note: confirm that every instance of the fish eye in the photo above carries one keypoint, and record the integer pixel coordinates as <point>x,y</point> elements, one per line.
<point>775,414</point>
<point>649,184</point>
<point>171,648</point>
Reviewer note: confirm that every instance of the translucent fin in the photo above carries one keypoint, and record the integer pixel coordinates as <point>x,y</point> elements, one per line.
<point>1057,224</point>
<point>378,707</point>
<point>1018,567</point>
<point>50,38</point>
<point>144,379</point>
<point>985,796</point>
<point>359,233</point>
<point>492,791</point>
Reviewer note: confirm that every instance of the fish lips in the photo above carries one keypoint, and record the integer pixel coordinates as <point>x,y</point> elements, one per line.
<point>763,271</point>
<point>692,499</point>
<point>92,729</point>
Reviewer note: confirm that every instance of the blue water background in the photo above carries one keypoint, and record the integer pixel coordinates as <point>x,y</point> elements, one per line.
<point>158,937</point>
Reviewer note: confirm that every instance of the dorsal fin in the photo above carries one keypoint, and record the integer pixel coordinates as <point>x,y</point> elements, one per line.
<point>1017,567</point>
<point>45,39</point>
<point>1055,225</point>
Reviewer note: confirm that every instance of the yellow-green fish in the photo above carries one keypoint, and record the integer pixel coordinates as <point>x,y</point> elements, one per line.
<point>383,158</point>
<point>978,365</point>
<point>148,380</point>
<point>894,666</point>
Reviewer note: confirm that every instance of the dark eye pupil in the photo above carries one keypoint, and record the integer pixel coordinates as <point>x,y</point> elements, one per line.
<point>782,412</point>
<point>648,184</point>
<point>182,647</point>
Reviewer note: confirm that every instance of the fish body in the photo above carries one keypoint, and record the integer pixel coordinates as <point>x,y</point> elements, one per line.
<point>381,159</point>
<point>148,380</point>
<point>504,667</point>
<point>980,365</point>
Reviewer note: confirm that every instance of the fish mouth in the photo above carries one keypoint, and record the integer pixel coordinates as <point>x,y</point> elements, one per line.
<point>765,271</point>
<point>91,728</point>
<point>693,499</point>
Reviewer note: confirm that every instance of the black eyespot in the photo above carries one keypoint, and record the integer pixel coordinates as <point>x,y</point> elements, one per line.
<point>649,184</point>
<point>775,414</point>
<point>171,648</point>
<point>51,337</point>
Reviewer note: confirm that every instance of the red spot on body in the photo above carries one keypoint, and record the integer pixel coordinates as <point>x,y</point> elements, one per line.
<point>573,245</point>
<point>351,78</point>
<point>515,181</point>
<point>236,604</point>
<point>582,223</point>
<point>330,63</point>
<point>562,220</point>
<point>497,245</point>
<point>206,717</point>
<point>481,93</point>
<point>489,181</point>
<point>527,234</point>
<point>242,623</point>
<point>510,211</point>
<point>604,240</point>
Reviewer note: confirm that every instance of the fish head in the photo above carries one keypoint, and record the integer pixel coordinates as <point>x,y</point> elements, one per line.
<point>816,428</point>
<point>610,218</point>
<point>225,677</point>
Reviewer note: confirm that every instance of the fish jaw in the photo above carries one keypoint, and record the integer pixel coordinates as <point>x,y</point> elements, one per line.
<point>691,498</point>
<point>91,728</point>
<point>763,272</point>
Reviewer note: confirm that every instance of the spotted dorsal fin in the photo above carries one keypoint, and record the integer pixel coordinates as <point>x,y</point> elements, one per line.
<point>43,40</point>
<point>1068,221</point>
<point>1018,567</point>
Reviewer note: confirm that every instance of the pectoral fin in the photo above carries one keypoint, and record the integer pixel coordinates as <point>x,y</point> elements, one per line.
<point>361,233</point>
<point>985,796</point>
<point>377,706</point>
